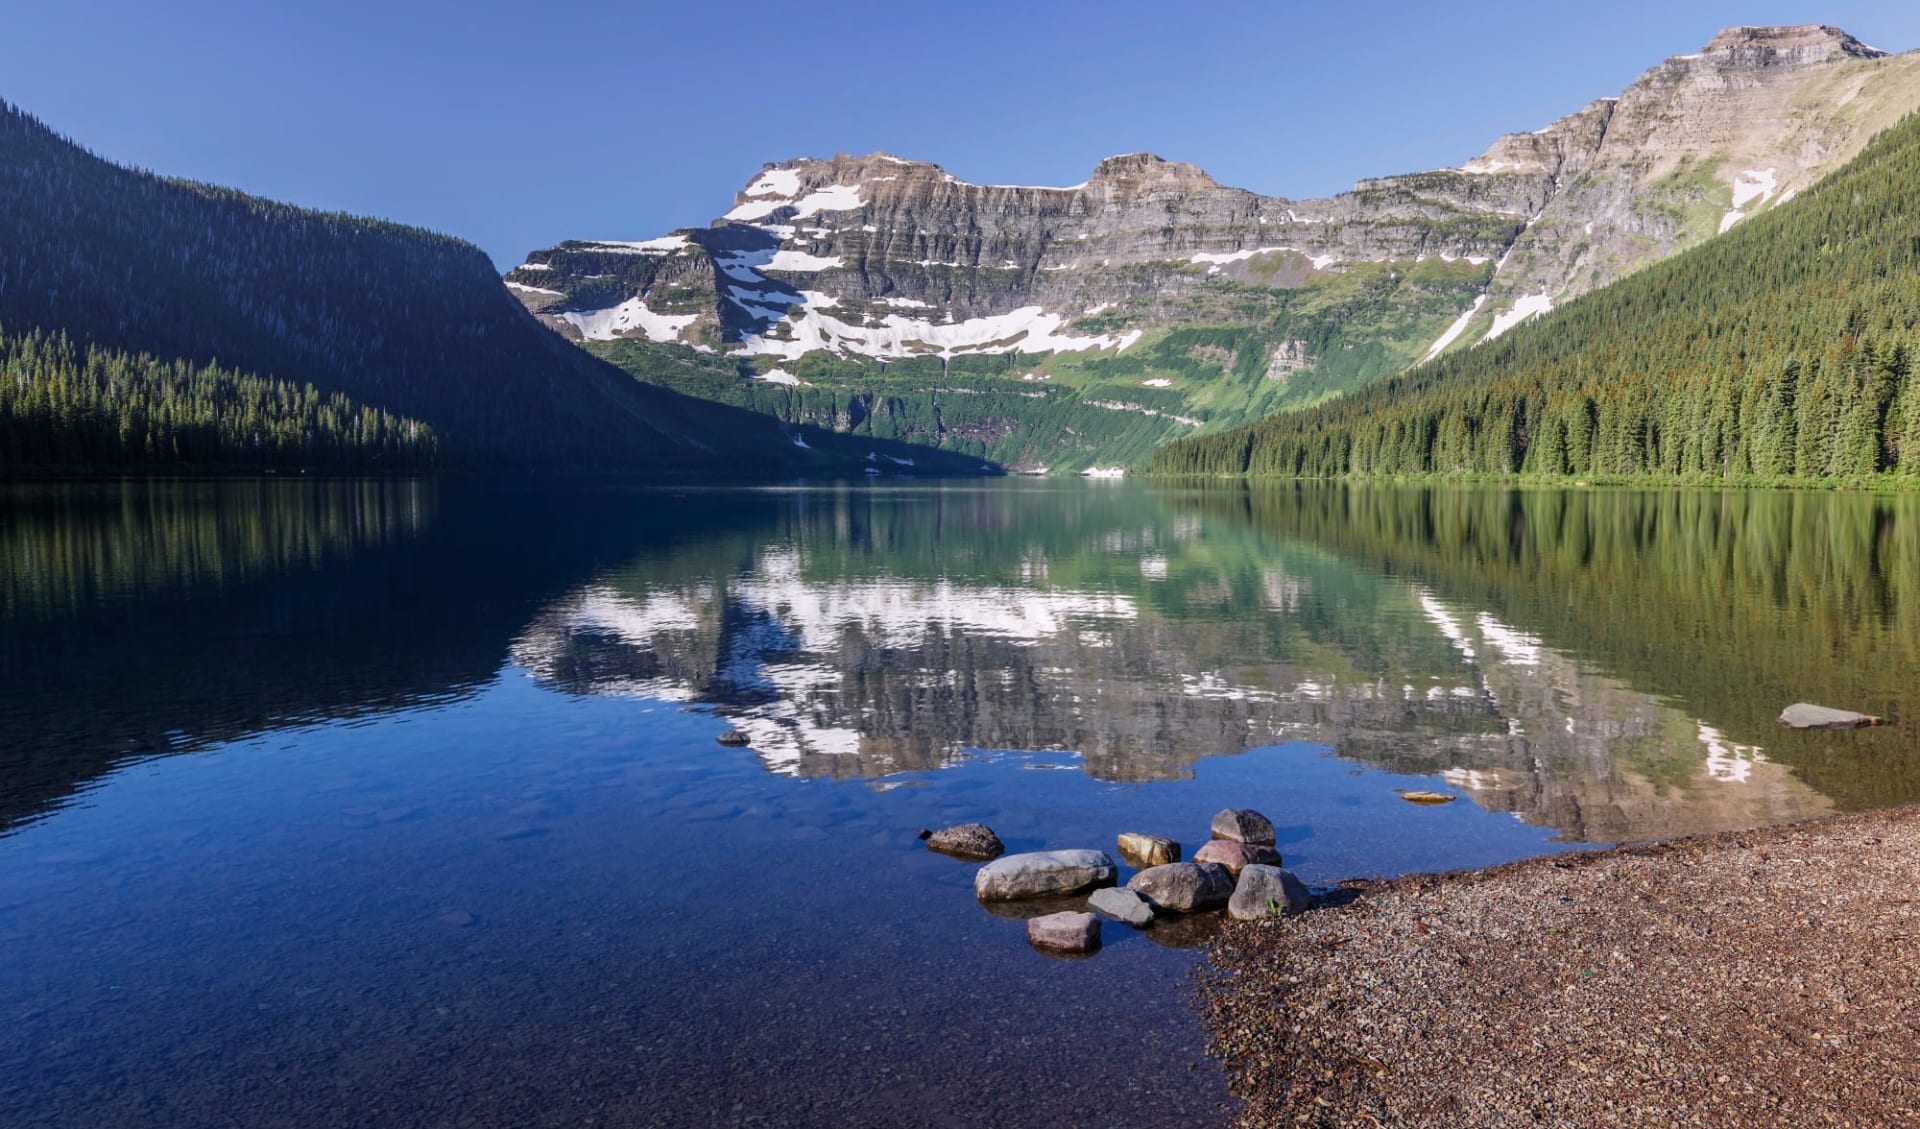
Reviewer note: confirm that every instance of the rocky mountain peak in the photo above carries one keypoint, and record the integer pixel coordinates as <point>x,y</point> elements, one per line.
<point>1146,170</point>
<point>1785,46</point>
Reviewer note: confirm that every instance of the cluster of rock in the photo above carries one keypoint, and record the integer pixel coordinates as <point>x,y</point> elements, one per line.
<point>1238,870</point>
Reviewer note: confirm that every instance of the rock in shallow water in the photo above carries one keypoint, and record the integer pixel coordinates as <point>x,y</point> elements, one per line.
<point>1064,932</point>
<point>1801,715</point>
<point>734,739</point>
<point>1147,850</point>
<point>1122,905</point>
<point>967,841</point>
<point>1039,873</point>
<point>1267,891</point>
<point>1237,856</point>
<point>1243,825</point>
<point>1184,887</point>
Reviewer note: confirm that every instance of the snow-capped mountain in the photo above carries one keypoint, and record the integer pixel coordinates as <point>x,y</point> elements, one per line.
<point>876,258</point>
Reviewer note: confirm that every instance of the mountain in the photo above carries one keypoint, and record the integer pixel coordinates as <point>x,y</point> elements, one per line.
<point>1782,349</point>
<point>149,321</point>
<point>1066,327</point>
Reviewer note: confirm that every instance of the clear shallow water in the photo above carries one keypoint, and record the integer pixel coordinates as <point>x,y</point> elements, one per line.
<point>398,804</point>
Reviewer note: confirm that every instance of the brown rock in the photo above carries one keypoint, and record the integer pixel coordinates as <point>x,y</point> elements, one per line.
<point>1243,825</point>
<point>1237,856</point>
<point>1184,887</point>
<point>967,841</point>
<point>1064,932</point>
<point>1143,851</point>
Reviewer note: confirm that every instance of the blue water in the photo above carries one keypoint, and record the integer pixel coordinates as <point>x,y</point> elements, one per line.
<point>359,806</point>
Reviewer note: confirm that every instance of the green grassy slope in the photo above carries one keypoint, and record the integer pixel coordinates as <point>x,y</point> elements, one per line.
<point>1069,411</point>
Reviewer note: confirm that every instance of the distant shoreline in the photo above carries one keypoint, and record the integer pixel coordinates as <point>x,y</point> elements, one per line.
<point>1760,978</point>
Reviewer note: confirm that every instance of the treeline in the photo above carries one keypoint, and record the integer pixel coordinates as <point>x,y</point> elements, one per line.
<point>1785,348</point>
<point>402,321</point>
<point>62,406</point>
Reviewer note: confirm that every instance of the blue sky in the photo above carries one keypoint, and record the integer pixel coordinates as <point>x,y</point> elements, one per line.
<point>518,124</point>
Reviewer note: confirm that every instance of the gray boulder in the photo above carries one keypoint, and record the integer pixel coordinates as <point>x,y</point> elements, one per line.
<point>1147,850</point>
<point>1801,715</point>
<point>734,739</point>
<point>1184,887</point>
<point>1122,905</point>
<point>1037,874</point>
<point>1064,932</point>
<point>1243,825</point>
<point>967,841</point>
<point>1267,891</point>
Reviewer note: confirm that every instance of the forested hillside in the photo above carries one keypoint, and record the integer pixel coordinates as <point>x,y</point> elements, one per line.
<point>66,407</point>
<point>207,326</point>
<point>1782,349</point>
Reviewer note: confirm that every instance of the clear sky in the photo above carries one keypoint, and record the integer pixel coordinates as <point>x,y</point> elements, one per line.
<point>518,124</point>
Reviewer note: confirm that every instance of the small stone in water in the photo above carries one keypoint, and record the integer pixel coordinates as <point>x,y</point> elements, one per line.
<point>1122,905</point>
<point>1147,850</point>
<point>1064,932</point>
<point>734,739</point>
<point>967,841</point>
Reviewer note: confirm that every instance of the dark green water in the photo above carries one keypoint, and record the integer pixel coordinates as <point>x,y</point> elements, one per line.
<point>398,803</point>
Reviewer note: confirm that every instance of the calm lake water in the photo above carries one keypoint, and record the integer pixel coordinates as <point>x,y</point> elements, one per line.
<point>398,803</point>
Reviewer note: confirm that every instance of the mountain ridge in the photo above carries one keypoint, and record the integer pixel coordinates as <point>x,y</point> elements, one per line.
<point>875,259</point>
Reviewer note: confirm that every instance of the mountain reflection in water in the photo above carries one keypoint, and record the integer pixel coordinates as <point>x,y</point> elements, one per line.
<point>1602,663</point>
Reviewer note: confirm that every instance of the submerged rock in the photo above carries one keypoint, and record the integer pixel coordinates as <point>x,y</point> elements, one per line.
<point>1122,905</point>
<point>1064,932</point>
<point>1801,715</point>
<point>967,841</point>
<point>1147,850</point>
<point>1037,874</point>
<point>1184,887</point>
<point>1267,891</point>
<point>1237,856</point>
<point>1243,825</point>
<point>734,739</point>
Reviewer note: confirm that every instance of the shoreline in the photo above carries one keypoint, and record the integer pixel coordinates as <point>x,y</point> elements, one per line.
<point>1759,978</point>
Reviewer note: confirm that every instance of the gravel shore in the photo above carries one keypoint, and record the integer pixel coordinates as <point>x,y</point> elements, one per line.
<point>1764,978</point>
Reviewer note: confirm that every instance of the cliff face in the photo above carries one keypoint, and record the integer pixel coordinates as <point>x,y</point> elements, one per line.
<point>883,258</point>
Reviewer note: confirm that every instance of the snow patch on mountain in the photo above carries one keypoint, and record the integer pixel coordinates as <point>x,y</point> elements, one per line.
<point>1531,306</point>
<point>1221,258</point>
<point>1029,329</point>
<point>784,183</point>
<point>802,261</point>
<point>618,321</point>
<point>833,198</point>
<point>1750,187</point>
<point>1455,330</point>
<point>664,245</point>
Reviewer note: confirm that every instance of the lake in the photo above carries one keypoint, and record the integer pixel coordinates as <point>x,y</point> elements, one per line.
<point>398,803</point>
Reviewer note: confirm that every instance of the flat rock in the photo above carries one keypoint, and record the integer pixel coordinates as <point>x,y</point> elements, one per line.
<point>1184,887</point>
<point>1267,891</point>
<point>967,841</point>
<point>1147,850</point>
<point>1243,825</point>
<point>1123,906</point>
<point>1801,715</point>
<point>1064,932</point>
<point>1237,856</point>
<point>1037,874</point>
<point>734,739</point>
